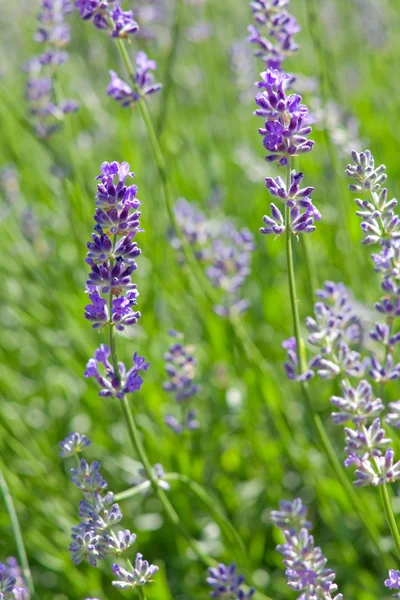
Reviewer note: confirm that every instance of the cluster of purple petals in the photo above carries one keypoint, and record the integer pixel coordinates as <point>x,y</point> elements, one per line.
<point>273,33</point>
<point>54,34</point>
<point>110,383</point>
<point>306,570</point>
<point>112,251</point>
<point>98,533</point>
<point>381,227</point>
<point>224,251</point>
<point>143,85</point>
<point>393,582</point>
<point>12,583</point>
<point>180,369</point>
<point>108,15</point>
<point>226,583</point>
<point>302,213</point>
<point>287,121</point>
<point>333,331</point>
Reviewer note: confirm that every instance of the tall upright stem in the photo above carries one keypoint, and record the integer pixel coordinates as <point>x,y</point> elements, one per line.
<point>16,529</point>
<point>387,505</point>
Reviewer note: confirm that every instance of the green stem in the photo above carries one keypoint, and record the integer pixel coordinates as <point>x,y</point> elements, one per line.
<point>312,280</point>
<point>387,505</point>
<point>19,542</point>
<point>141,593</point>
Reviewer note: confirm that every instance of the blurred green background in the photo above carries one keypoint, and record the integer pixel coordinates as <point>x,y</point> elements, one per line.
<point>349,56</point>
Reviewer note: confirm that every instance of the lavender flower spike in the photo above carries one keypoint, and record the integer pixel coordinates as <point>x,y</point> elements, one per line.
<point>143,85</point>
<point>287,120</point>
<point>305,564</point>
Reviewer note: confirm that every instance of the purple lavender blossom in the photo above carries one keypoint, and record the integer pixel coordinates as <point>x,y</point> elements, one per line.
<point>393,582</point>
<point>226,583</point>
<point>138,575</point>
<point>124,23</point>
<point>356,404</point>
<point>276,42</point>
<point>54,33</point>
<point>112,293</point>
<point>107,15</point>
<point>12,583</point>
<point>287,120</point>
<point>302,212</point>
<point>73,444</point>
<point>305,564</point>
<point>143,85</point>
<point>98,535</point>
<point>111,384</point>
<point>180,368</point>
<point>291,516</point>
<point>224,251</point>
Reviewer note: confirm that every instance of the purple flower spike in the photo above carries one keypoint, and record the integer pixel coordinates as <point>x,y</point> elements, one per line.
<point>287,120</point>
<point>46,111</point>
<point>273,36</point>
<point>124,23</point>
<point>112,386</point>
<point>143,85</point>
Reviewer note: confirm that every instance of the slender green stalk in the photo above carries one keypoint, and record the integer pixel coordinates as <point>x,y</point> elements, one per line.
<point>312,280</point>
<point>19,541</point>
<point>168,78</point>
<point>140,592</point>
<point>387,505</point>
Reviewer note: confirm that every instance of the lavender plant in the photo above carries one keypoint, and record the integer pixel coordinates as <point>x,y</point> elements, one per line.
<point>278,27</point>
<point>98,534</point>
<point>305,563</point>
<point>226,583</point>
<point>53,33</point>
<point>222,250</point>
<point>180,368</point>
<point>12,584</point>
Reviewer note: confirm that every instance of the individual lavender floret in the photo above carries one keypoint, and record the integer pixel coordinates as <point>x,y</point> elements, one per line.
<point>393,417</point>
<point>143,84</point>
<point>291,516</point>
<point>279,26</point>
<point>88,478</point>
<point>393,582</point>
<point>287,120</point>
<point>112,386</point>
<point>139,574</point>
<point>73,444</point>
<point>227,583</point>
<point>107,15</point>
<point>357,404</point>
<point>292,362</point>
<point>302,213</point>
<point>123,22</point>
